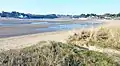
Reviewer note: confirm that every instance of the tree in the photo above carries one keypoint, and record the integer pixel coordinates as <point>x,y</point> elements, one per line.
<point>82,15</point>
<point>118,15</point>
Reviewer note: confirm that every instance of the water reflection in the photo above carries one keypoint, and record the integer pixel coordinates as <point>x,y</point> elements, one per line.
<point>21,23</point>
<point>55,26</point>
<point>69,26</point>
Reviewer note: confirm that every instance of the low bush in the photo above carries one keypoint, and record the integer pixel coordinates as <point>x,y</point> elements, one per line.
<point>54,54</point>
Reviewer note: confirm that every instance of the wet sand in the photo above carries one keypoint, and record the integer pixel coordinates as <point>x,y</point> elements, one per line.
<point>25,28</point>
<point>10,31</point>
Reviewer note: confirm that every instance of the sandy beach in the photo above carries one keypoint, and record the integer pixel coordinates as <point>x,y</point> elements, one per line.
<point>111,23</point>
<point>18,42</point>
<point>28,40</point>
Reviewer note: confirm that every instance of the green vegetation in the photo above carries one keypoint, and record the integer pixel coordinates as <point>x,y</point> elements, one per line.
<point>54,54</point>
<point>103,37</point>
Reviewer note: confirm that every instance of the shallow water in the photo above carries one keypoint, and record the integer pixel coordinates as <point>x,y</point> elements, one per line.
<point>24,23</point>
<point>16,28</point>
<point>70,26</point>
<point>53,25</point>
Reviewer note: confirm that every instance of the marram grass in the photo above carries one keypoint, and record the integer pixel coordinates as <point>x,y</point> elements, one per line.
<point>54,54</point>
<point>101,37</point>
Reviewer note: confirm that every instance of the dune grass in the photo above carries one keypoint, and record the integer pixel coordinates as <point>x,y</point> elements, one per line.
<point>101,37</point>
<point>54,54</point>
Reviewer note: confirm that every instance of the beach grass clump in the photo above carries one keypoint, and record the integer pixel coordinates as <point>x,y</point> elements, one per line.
<point>55,54</point>
<point>102,37</point>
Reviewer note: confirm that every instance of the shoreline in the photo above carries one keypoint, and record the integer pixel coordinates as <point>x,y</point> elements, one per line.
<point>23,41</point>
<point>27,28</point>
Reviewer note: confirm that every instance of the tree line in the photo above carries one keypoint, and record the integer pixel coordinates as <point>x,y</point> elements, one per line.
<point>15,14</point>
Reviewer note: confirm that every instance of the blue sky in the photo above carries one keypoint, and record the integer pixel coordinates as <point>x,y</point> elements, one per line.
<point>61,6</point>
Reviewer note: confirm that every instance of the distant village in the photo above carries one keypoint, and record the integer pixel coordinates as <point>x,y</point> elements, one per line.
<point>19,15</point>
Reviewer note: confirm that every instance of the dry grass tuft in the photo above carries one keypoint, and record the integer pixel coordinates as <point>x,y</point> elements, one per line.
<point>102,37</point>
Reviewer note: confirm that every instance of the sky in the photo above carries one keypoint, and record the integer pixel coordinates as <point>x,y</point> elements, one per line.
<point>70,7</point>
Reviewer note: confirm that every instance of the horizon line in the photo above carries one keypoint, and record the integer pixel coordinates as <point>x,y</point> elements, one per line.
<point>57,13</point>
